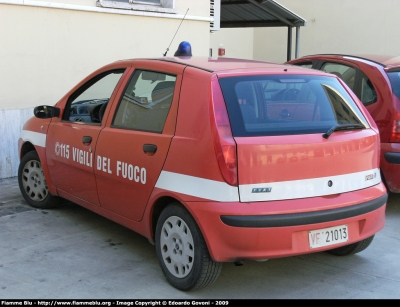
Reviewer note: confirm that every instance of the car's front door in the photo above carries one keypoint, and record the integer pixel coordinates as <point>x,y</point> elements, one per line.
<point>71,140</point>
<point>133,146</point>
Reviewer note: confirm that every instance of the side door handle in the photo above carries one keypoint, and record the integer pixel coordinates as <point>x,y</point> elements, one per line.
<point>284,113</point>
<point>86,140</point>
<point>149,149</point>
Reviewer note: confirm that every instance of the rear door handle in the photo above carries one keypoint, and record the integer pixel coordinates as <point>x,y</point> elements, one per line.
<point>87,140</point>
<point>149,149</point>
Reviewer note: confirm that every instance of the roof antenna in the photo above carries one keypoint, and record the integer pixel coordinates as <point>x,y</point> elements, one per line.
<point>175,33</point>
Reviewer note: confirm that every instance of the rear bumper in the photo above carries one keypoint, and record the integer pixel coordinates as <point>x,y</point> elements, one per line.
<point>390,165</point>
<point>298,219</point>
<point>237,231</point>
<point>392,157</point>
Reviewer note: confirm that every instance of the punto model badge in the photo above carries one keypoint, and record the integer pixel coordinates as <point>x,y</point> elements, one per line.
<point>261,190</point>
<point>370,176</point>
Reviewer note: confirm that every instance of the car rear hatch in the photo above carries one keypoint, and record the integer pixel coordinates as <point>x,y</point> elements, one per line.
<point>298,136</point>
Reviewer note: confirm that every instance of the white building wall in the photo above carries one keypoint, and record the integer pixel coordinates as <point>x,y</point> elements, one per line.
<point>11,122</point>
<point>47,47</point>
<point>341,26</point>
<point>238,42</point>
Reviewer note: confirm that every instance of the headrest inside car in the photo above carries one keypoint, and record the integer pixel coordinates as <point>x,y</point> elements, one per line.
<point>152,76</point>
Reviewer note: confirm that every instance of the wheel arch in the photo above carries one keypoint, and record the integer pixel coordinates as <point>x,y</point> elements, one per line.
<point>25,148</point>
<point>205,270</point>
<point>33,183</point>
<point>28,147</point>
<point>158,207</point>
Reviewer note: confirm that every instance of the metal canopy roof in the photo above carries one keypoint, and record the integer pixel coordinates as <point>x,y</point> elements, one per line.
<point>260,13</point>
<point>257,13</point>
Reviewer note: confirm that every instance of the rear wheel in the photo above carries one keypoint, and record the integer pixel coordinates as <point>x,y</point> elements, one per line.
<point>352,248</point>
<point>182,252</point>
<point>32,183</point>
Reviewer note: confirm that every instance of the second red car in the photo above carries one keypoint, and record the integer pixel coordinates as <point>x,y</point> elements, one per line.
<point>375,79</point>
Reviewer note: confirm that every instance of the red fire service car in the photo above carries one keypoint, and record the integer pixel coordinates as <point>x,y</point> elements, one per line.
<point>213,160</point>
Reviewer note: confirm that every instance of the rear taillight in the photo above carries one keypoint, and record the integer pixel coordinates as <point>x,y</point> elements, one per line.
<point>224,144</point>
<point>395,135</point>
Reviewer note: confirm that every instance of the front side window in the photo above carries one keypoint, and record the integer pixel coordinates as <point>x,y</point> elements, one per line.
<point>87,104</point>
<point>344,72</point>
<point>287,104</point>
<point>146,102</point>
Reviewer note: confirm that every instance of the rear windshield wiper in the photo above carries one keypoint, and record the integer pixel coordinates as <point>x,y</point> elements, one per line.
<point>342,127</point>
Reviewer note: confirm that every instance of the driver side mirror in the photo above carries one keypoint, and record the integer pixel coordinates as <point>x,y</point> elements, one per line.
<point>46,112</point>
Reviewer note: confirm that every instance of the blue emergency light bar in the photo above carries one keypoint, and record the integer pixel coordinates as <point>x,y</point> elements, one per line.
<point>184,49</point>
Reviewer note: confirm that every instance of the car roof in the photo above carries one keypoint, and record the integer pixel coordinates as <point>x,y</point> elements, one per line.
<point>386,61</point>
<point>223,64</point>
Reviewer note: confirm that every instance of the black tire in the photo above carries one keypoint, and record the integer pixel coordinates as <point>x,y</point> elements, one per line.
<point>352,248</point>
<point>32,183</point>
<point>182,251</point>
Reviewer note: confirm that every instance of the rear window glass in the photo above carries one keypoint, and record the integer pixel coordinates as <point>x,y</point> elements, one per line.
<point>394,77</point>
<point>287,104</point>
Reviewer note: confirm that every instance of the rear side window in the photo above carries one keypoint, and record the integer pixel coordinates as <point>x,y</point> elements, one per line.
<point>394,77</point>
<point>287,104</point>
<point>368,93</point>
<point>146,102</point>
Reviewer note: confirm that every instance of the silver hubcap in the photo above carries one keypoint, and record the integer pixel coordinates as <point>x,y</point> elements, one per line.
<point>177,247</point>
<point>33,181</point>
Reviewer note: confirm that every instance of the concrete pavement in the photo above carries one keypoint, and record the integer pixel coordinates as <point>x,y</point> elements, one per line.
<point>72,253</point>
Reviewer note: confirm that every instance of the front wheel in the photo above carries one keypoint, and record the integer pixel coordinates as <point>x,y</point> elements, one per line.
<point>182,251</point>
<point>352,248</point>
<point>32,183</point>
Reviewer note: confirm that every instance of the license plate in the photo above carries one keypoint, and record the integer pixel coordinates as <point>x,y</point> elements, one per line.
<point>328,236</point>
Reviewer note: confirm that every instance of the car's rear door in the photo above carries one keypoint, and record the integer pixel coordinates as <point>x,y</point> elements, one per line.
<point>346,70</point>
<point>361,78</point>
<point>133,146</point>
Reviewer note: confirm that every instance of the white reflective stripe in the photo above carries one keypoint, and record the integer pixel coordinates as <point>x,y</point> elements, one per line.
<point>198,187</point>
<point>309,187</point>
<point>36,138</point>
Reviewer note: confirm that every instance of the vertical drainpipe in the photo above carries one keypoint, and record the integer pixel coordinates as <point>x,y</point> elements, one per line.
<point>297,51</point>
<point>289,44</point>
